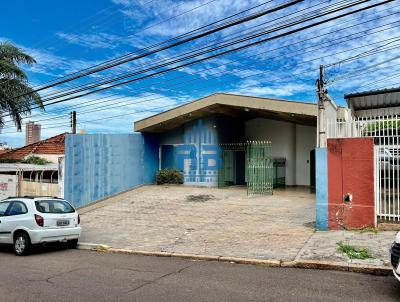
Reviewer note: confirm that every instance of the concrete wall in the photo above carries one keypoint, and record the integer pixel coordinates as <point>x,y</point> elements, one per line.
<point>194,150</point>
<point>289,140</point>
<point>8,186</point>
<point>321,198</point>
<point>351,171</point>
<point>283,138</point>
<point>305,142</point>
<point>100,165</point>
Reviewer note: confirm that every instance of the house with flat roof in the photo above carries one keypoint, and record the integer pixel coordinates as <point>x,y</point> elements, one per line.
<point>216,136</point>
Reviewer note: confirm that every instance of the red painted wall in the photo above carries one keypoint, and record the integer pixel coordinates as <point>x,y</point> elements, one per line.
<point>351,170</point>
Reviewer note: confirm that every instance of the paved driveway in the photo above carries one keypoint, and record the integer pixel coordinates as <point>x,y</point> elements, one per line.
<point>206,221</point>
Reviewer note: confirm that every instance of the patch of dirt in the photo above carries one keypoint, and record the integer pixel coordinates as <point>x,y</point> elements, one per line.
<point>199,198</point>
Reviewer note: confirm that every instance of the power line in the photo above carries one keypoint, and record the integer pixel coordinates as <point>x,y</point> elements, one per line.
<point>223,53</point>
<point>203,48</point>
<point>99,109</point>
<point>117,61</point>
<point>355,25</point>
<point>326,21</point>
<point>287,45</point>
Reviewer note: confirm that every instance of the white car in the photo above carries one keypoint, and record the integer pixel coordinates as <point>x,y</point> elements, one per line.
<point>27,221</point>
<point>395,255</point>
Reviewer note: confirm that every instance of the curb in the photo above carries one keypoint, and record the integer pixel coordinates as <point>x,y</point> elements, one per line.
<point>377,270</point>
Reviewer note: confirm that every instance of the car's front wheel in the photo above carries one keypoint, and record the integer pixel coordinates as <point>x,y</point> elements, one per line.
<point>22,244</point>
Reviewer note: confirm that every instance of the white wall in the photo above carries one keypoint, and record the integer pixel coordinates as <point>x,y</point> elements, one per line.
<point>8,185</point>
<point>305,142</point>
<point>283,138</point>
<point>291,141</point>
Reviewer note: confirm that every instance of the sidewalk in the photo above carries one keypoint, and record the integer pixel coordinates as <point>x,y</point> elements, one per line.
<point>320,251</point>
<point>324,246</point>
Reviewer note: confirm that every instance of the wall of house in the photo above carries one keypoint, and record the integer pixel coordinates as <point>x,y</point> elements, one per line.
<point>8,186</point>
<point>101,165</point>
<point>193,149</point>
<point>289,140</point>
<point>305,142</point>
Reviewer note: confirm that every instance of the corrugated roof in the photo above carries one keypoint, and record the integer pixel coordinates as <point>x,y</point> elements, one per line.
<point>375,99</point>
<point>52,145</point>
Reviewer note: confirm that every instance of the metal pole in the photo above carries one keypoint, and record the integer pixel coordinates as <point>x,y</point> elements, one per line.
<point>73,122</point>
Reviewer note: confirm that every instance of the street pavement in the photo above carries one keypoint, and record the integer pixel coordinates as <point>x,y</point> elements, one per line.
<point>76,275</point>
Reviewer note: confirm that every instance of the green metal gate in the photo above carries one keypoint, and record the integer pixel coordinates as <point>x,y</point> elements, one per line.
<point>258,166</point>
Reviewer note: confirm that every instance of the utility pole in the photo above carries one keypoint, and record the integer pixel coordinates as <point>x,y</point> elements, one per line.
<point>322,97</point>
<point>73,122</point>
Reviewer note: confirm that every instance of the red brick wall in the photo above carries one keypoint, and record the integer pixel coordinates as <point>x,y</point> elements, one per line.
<point>351,170</point>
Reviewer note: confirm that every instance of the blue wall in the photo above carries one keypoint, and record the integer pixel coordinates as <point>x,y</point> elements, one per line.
<point>100,165</point>
<point>195,148</point>
<point>321,168</point>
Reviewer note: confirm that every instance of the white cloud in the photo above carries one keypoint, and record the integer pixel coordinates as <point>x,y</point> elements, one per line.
<point>98,40</point>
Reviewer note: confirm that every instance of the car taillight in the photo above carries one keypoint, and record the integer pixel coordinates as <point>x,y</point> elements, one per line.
<point>39,220</point>
<point>79,219</point>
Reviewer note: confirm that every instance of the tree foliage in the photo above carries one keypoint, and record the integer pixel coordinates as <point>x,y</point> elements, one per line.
<point>16,95</point>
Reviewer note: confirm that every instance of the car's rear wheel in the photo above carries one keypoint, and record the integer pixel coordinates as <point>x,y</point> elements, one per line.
<point>22,244</point>
<point>72,243</point>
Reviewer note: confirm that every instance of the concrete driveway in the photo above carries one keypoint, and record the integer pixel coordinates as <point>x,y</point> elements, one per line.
<point>206,221</point>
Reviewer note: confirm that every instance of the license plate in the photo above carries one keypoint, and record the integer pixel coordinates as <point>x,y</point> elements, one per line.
<point>62,222</point>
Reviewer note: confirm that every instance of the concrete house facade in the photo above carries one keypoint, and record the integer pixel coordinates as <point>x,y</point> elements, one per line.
<point>192,136</point>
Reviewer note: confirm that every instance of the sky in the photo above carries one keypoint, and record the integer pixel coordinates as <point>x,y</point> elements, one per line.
<point>65,36</point>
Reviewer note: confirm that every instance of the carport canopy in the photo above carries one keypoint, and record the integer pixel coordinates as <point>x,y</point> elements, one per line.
<point>238,106</point>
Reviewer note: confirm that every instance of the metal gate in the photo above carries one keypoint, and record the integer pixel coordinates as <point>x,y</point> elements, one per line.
<point>386,132</point>
<point>258,166</point>
<point>387,197</point>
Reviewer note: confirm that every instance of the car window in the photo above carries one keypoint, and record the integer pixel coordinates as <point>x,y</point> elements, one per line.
<point>17,208</point>
<point>3,207</point>
<point>54,206</point>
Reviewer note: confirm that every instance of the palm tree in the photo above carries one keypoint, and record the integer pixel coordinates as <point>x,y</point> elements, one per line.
<point>16,95</point>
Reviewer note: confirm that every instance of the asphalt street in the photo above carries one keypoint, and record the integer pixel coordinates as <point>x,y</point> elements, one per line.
<point>76,275</point>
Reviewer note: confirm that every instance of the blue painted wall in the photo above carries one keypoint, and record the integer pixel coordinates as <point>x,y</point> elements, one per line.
<point>321,167</point>
<point>196,151</point>
<point>100,165</point>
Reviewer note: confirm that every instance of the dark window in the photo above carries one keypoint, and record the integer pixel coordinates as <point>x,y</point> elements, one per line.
<point>3,207</point>
<point>17,208</point>
<point>54,206</point>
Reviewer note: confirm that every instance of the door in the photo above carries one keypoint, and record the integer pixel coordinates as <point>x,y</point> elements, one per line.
<point>5,232</point>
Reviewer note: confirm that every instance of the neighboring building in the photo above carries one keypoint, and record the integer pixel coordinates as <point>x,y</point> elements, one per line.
<point>32,133</point>
<point>50,149</point>
<point>358,166</point>
<point>19,179</point>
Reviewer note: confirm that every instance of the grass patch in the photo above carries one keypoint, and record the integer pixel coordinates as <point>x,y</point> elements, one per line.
<point>370,230</point>
<point>353,252</point>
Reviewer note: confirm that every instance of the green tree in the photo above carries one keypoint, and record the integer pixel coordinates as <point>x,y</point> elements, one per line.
<point>16,95</point>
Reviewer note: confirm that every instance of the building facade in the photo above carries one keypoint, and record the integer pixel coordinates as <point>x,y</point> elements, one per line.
<point>32,133</point>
